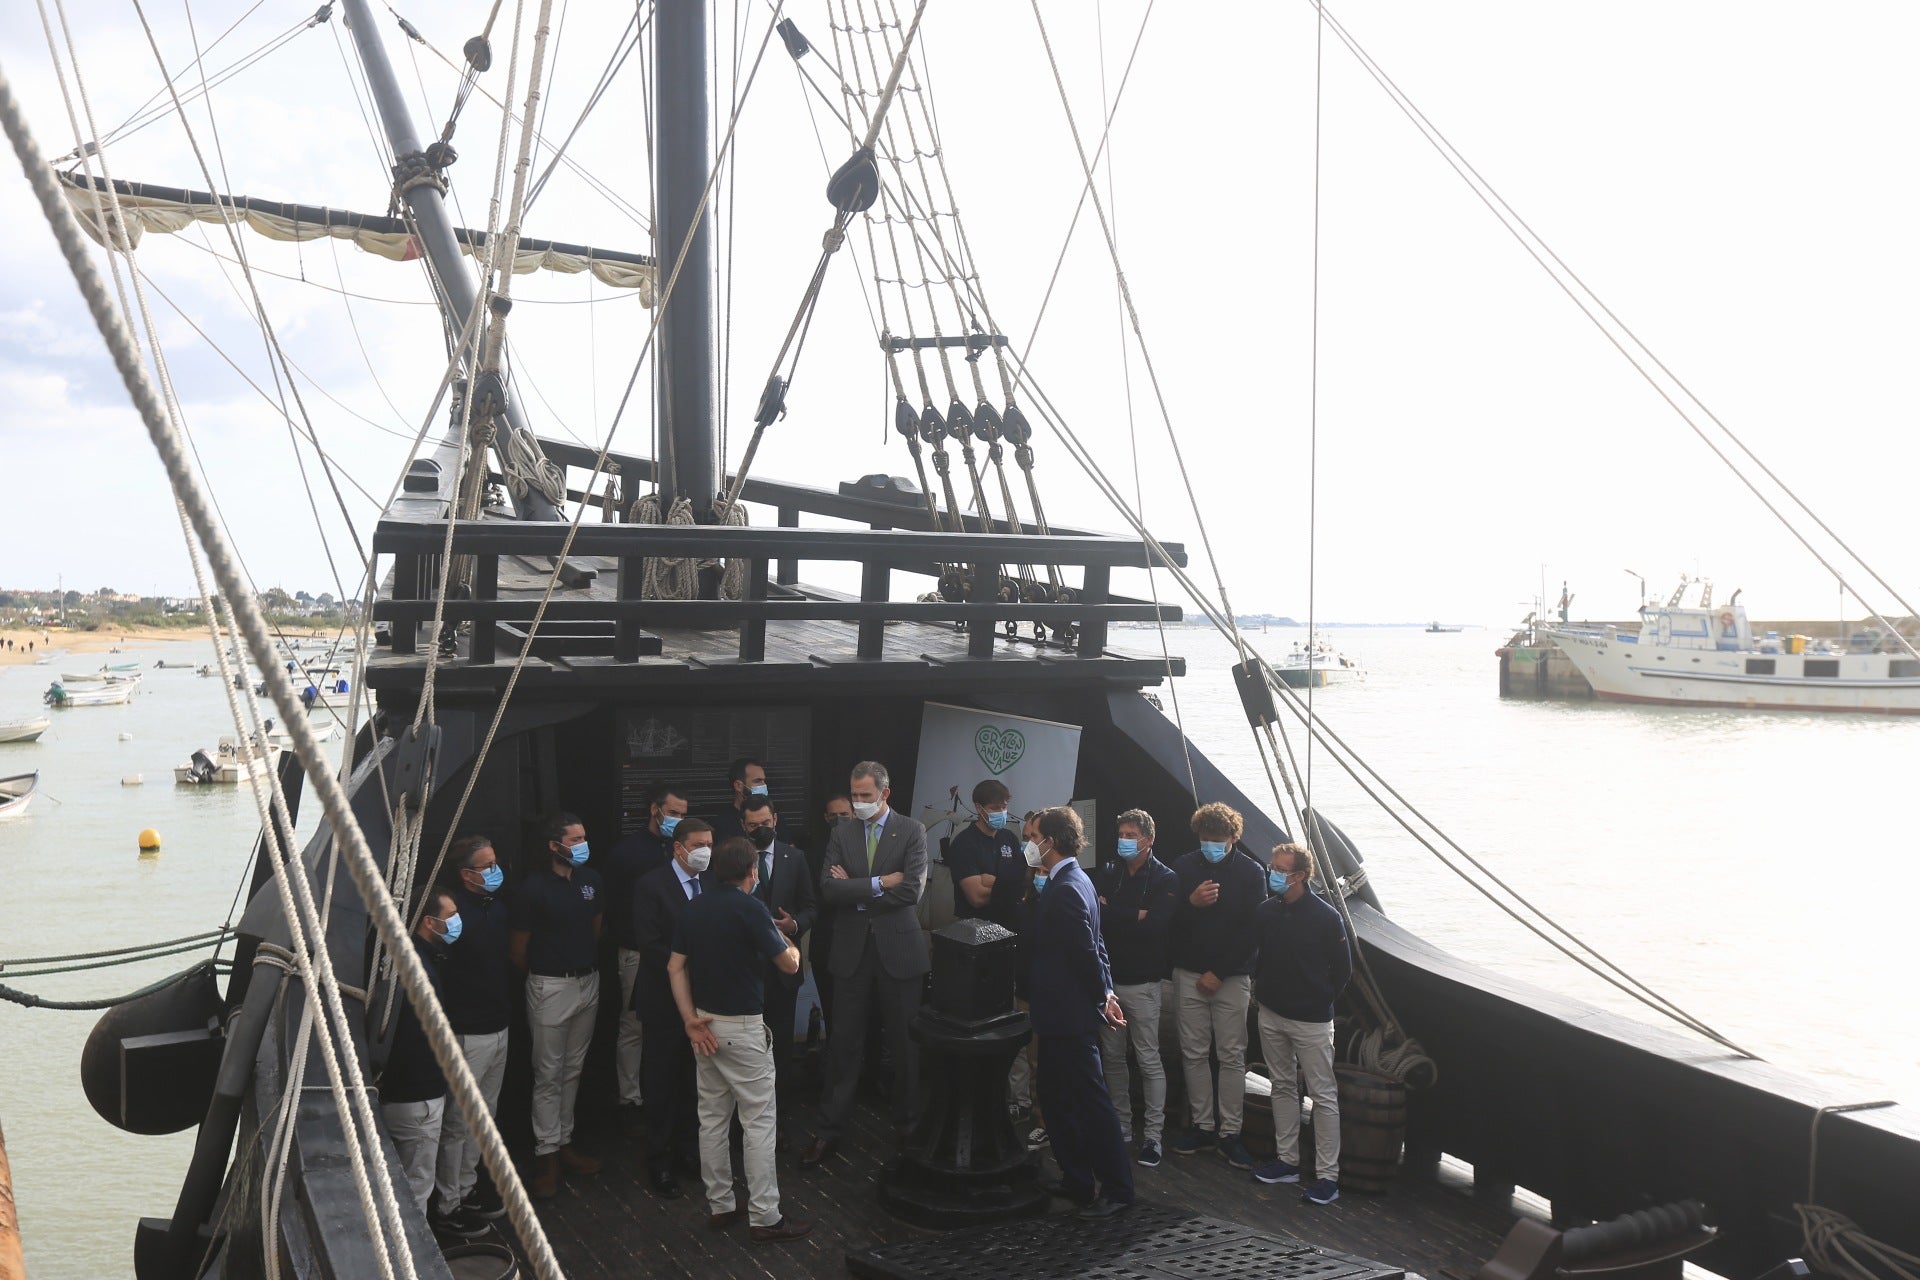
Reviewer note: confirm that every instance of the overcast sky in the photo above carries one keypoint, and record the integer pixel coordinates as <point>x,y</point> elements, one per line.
<point>1735,180</point>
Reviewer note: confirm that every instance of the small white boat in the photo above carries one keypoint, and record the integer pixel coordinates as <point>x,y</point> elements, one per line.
<point>1316,666</point>
<point>164,665</point>
<point>225,765</point>
<point>23,730</point>
<point>104,695</point>
<point>16,792</point>
<point>327,731</point>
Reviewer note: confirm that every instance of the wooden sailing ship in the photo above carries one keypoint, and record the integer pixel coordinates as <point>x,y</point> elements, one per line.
<point>551,659</point>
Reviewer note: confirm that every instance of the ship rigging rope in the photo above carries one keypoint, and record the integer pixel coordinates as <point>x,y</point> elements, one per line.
<point>276,357</point>
<point>18,961</point>
<point>247,618</point>
<point>28,1000</point>
<point>1594,308</point>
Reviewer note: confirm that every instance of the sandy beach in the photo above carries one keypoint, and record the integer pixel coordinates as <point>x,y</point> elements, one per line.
<point>55,640</point>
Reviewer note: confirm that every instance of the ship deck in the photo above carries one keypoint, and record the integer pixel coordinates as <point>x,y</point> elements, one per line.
<point>611,1226</point>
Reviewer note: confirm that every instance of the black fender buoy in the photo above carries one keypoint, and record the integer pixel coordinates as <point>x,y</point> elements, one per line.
<point>149,1065</point>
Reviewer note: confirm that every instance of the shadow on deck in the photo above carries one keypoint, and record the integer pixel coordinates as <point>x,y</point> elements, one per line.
<point>610,1225</point>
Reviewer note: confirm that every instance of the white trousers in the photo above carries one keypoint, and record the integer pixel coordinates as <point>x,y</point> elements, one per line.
<point>559,1026</point>
<point>740,1077</point>
<point>415,1130</point>
<point>1141,1004</point>
<point>458,1164</point>
<point>626,1058</point>
<point>1294,1049</point>
<point>1020,1074</point>
<point>1217,1022</point>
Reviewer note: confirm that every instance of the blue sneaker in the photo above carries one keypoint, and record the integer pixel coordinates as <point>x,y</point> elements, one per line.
<point>1192,1142</point>
<point>1277,1172</point>
<point>1325,1191</point>
<point>1149,1157</point>
<point>1235,1151</point>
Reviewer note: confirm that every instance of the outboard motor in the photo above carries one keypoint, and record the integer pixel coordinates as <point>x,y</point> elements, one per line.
<point>202,769</point>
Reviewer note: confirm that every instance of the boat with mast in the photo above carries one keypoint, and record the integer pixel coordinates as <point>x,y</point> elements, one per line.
<point>517,643</point>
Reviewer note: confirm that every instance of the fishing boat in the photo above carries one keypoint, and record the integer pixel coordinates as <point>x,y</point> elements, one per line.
<point>225,765</point>
<point>566,624</point>
<point>111,694</point>
<point>16,793</point>
<point>325,731</point>
<point>1315,665</point>
<point>1435,629</point>
<point>1709,656</point>
<point>27,730</point>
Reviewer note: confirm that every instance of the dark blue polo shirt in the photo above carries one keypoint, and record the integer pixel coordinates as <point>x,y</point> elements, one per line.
<point>475,986</point>
<point>1305,961</point>
<point>559,912</point>
<point>989,853</point>
<point>411,1073</point>
<point>727,937</point>
<point>632,858</point>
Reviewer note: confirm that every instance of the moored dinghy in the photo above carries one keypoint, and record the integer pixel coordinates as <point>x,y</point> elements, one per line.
<point>105,695</point>
<point>23,730</point>
<point>225,765</point>
<point>17,792</point>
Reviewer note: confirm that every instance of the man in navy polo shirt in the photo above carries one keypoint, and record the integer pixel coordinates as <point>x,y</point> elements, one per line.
<point>555,939</point>
<point>722,943</point>
<point>477,990</point>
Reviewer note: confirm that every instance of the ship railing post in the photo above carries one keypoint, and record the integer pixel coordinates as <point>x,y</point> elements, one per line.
<point>406,586</point>
<point>876,585</point>
<point>788,573</point>
<point>626,627</point>
<point>753,629</point>
<point>486,586</point>
<point>1093,628</point>
<point>984,590</point>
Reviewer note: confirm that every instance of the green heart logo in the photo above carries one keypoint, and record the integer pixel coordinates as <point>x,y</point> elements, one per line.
<point>999,749</point>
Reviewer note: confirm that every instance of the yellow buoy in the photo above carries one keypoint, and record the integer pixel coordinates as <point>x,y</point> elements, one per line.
<point>149,840</point>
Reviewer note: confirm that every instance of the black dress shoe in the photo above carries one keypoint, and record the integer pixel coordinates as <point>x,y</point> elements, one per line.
<point>665,1185</point>
<point>818,1150</point>
<point>1101,1207</point>
<point>1058,1190</point>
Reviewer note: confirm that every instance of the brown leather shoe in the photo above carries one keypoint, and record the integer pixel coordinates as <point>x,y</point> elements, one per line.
<point>545,1183</point>
<point>721,1221</point>
<point>817,1150</point>
<point>578,1161</point>
<point>782,1232</point>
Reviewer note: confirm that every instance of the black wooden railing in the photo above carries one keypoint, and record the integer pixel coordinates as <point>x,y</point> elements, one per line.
<point>416,546</point>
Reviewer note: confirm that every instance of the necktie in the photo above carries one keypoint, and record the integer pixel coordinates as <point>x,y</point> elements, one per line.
<point>873,842</point>
<point>766,866</point>
<point>693,887</point>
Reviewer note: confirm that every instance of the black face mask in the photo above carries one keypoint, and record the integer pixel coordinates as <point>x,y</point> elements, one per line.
<point>762,838</point>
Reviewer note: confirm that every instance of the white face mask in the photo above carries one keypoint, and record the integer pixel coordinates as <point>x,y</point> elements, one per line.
<point>865,809</point>
<point>1032,851</point>
<point>697,859</point>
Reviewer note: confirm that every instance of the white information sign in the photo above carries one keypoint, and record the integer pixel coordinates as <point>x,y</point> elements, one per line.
<point>961,746</point>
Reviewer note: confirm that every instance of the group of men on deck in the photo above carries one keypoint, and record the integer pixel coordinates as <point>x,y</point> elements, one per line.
<point>709,916</point>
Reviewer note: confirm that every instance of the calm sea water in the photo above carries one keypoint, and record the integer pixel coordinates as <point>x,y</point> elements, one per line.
<point>1757,868</point>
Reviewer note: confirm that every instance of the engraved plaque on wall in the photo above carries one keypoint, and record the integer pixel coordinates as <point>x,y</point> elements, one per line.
<point>692,749</point>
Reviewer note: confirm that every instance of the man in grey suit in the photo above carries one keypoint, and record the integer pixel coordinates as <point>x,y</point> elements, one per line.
<point>874,874</point>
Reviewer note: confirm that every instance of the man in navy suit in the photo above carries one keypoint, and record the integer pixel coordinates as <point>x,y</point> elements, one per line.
<point>1071,997</point>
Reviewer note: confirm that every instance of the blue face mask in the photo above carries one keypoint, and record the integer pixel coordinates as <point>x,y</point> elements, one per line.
<point>997,820</point>
<point>1128,849</point>
<point>1276,881</point>
<point>579,854</point>
<point>667,824</point>
<point>1213,850</point>
<point>452,926</point>
<point>492,878</point>
<point>758,789</point>
<point>1039,880</point>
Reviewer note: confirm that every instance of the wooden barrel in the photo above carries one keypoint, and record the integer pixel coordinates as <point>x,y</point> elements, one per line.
<point>1373,1128</point>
